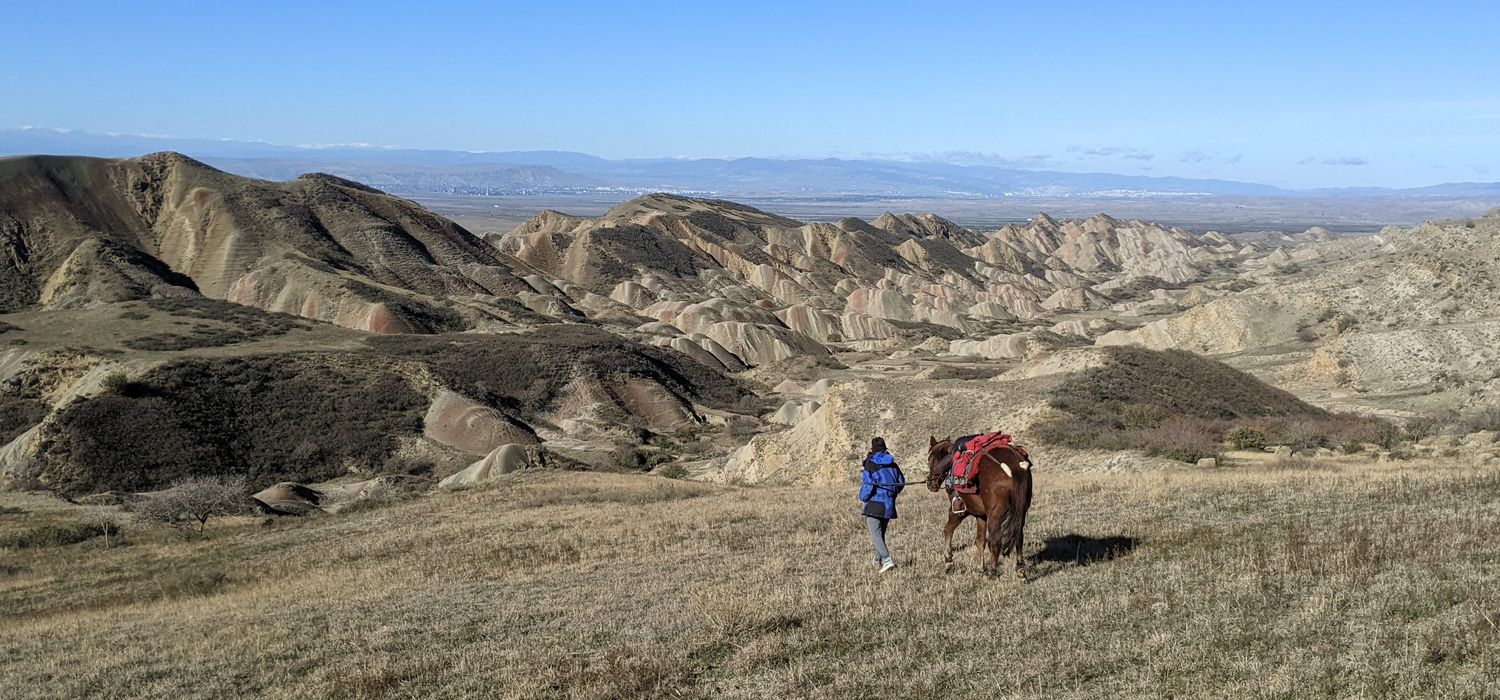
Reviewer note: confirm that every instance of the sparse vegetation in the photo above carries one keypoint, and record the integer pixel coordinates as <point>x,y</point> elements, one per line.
<point>228,324</point>
<point>269,418</point>
<point>426,317</point>
<point>964,373</point>
<point>1346,582</point>
<point>525,373</point>
<point>7,327</point>
<point>18,414</point>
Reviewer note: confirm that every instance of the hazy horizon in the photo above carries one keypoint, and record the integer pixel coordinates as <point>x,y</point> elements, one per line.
<point>1283,94</point>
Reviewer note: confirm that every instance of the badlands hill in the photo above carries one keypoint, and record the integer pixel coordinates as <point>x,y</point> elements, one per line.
<point>83,231</point>
<point>160,318</point>
<point>710,276</point>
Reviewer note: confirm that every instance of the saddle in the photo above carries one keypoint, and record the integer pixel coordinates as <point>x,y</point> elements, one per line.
<point>967,452</point>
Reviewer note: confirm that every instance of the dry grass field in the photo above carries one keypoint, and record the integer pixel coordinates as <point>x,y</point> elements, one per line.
<point>1345,580</point>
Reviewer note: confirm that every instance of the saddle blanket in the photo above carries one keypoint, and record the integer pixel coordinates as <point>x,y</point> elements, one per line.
<point>966,458</point>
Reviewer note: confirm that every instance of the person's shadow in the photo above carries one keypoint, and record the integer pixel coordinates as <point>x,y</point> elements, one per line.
<point>1073,551</point>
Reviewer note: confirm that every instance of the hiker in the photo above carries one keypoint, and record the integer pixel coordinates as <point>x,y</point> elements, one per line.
<point>880,481</point>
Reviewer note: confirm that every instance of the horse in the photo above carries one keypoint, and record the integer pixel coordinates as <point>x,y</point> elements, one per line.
<point>1001,502</point>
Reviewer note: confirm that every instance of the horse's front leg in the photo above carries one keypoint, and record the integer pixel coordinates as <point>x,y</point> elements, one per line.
<point>953,520</point>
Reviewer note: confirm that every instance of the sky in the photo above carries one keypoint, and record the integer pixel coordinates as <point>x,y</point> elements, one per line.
<point>1296,94</point>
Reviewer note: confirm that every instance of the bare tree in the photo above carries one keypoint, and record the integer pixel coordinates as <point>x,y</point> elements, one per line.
<point>196,499</point>
<point>105,522</point>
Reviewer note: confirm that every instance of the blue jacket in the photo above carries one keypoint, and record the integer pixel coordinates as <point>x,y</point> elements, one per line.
<point>880,481</point>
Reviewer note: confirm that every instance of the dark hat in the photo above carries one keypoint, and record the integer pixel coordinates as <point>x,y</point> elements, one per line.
<point>877,445</point>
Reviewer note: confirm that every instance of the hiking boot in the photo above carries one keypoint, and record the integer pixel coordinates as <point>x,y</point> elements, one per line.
<point>887,565</point>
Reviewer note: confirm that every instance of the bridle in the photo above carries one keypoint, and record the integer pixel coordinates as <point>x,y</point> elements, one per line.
<point>935,475</point>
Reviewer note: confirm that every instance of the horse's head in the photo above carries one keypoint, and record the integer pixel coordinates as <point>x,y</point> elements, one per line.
<point>939,461</point>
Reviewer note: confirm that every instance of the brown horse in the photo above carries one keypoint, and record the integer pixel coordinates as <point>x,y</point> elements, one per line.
<point>1002,500</point>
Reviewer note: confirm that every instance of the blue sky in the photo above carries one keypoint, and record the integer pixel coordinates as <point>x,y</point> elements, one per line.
<point>1296,94</point>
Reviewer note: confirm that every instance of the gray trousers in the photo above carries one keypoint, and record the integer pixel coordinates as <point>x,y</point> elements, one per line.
<point>877,526</point>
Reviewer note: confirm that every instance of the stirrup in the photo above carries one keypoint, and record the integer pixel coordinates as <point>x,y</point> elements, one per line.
<point>957,506</point>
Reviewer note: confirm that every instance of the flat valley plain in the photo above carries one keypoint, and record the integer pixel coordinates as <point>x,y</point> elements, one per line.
<point>1349,215</point>
<point>1335,578</point>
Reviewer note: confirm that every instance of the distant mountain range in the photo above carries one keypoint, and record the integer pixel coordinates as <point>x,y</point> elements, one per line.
<point>521,172</point>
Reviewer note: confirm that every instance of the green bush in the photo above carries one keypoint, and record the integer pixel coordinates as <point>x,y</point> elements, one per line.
<point>1247,438</point>
<point>671,471</point>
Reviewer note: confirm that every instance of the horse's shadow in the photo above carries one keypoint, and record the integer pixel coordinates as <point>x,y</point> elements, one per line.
<point>1074,551</point>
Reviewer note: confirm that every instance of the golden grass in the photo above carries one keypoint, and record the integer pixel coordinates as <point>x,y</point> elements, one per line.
<point>1350,581</point>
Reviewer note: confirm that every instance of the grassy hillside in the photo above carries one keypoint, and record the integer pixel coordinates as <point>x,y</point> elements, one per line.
<point>526,372</point>
<point>1183,406</point>
<point>1353,580</point>
<point>309,416</point>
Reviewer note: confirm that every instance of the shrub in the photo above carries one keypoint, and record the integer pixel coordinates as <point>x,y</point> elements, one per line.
<point>55,535</point>
<point>1180,439</point>
<point>1471,421</point>
<point>1422,428</point>
<point>6,327</point>
<point>671,471</point>
<point>1247,438</point>
<point>196,500</point>
<point>17,415</point>
<point>1387,437</point>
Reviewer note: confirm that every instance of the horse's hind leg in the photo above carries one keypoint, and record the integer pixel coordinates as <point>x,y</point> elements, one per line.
<point>1020,559</point>
<point>979,542</point>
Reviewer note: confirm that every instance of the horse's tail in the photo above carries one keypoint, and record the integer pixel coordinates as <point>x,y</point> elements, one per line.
<point>1006,530</point>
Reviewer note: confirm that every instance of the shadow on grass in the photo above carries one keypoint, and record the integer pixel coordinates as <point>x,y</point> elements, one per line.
<point>1073,550</point>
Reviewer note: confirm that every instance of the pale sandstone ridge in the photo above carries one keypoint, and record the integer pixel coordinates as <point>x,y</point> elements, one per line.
<point>767,288</point>
<point>1352,320</point>
<point>826,446</point>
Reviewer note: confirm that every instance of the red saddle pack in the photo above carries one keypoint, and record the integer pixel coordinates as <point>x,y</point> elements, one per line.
<point>966,459</point>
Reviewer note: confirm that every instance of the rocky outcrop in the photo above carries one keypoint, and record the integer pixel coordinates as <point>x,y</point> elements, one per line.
<point>827,446</point>
<point>502,460</point>
<point>469,426</point>
<point>999,347</point>
<point>288,498</point>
